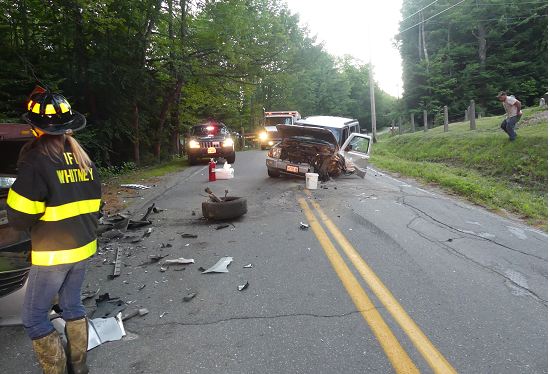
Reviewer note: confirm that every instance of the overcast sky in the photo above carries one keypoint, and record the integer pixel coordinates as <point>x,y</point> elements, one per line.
<point>344,26</point>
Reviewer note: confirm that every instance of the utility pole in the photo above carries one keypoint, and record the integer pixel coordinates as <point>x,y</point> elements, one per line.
<point>372,105</point>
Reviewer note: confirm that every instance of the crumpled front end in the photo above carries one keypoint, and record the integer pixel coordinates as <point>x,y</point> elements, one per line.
<point>322,158</point>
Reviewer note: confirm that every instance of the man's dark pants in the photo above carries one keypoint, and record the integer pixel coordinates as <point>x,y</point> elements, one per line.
<point>508,125</point>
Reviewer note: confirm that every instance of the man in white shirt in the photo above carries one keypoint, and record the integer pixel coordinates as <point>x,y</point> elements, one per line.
<point>512,106</point>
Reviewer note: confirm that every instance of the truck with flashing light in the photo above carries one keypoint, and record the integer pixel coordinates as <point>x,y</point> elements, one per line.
<point>269,136</point>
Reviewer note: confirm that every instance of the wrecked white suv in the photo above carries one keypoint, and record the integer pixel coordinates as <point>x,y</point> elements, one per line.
<point>329,146</point>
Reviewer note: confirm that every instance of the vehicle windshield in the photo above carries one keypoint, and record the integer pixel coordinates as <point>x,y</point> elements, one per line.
<point>206,130</point>
<point>6,182</point>
<point>272,121</point>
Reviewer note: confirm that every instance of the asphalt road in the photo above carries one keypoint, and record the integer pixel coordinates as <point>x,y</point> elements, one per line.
<point>390,277</point>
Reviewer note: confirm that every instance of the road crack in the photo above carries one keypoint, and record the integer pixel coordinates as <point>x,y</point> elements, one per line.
<point>272,317</point>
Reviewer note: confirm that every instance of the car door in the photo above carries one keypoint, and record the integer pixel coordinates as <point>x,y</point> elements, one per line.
<point>356,149</point>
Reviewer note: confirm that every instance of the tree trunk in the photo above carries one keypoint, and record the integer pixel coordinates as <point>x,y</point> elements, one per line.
<point>175,124</point>
<point>165,108</point>
<point>135,126</point>
<point>482,45</point>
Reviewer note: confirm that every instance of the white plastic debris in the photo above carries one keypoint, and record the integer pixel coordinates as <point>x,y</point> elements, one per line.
<point>180,261</point>
<point>304,226</point>
<point>135,186</point>
<point>249,266</point>
<point>244,286</point>
<point>220,266</point>
<point>101,330</point>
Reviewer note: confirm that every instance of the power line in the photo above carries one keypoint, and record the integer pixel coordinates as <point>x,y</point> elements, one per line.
<point>420,10</point>
<point>435,15</point>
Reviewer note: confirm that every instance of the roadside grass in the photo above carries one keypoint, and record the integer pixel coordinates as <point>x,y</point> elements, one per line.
<point>481,165</point>
<point>117,198</point>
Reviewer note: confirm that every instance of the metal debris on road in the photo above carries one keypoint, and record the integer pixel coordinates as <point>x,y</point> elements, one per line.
<point>101,330</point>
<point>163,314</point>
<point>107,306</point>
<point>201,269</point>
<point>220,266</point>
<point>162,245</point>
<point>179,261</point>
<point>141,312</point>
<point>244,286</point>
<point>189,297</point>
<point>141,287</point>
<point>247,266</point>
<point>118,263</point>
<point>304,226</point>
<point>189,236</point>
<point>219,227</point>
<point>135,186</point>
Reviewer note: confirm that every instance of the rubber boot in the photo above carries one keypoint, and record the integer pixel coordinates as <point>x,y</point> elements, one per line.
<point>77,345</point>
<point>50,354</point>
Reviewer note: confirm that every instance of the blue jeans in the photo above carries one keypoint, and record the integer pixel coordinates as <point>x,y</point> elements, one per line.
<point>43,284</point>
<point>508,125</point>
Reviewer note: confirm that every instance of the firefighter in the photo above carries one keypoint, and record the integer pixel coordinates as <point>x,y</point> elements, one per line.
<point>57,197</point>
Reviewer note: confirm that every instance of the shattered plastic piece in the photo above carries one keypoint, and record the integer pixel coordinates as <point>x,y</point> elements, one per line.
<point>189,297</point>
<point>166,245</point>
<point>88,294</point>
<point>135,186</point>
<point>137,224</point>
<point>101,330</point>
<point>304,226</point>
<point>157,210</point>
<point>163,314</point>
<point>180,261</point>
<point>148,213</point>
<point>249,266</point>
<point>147,233</point>
<point>222,226</point>
<point>244,286</point>
<point>112,234</point>
<point>220,266</point>
<point>141,287</point>
<point>153,259</point>
<point>189,236</point>
<point>201,269</point>
<point>163,269</point>
<point>107,306</point>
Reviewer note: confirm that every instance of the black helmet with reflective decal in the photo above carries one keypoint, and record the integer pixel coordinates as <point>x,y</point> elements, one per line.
<point>51,113</point>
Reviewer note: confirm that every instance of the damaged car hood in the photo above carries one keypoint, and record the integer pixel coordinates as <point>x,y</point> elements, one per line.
<point>310,132</point>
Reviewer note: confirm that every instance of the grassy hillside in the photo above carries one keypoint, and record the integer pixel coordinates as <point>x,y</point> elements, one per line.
<point>481,165</point>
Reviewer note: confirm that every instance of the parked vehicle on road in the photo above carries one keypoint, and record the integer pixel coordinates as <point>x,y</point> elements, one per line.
<point>210,140</point>
<point>15,246</point>
<point>329,146</point>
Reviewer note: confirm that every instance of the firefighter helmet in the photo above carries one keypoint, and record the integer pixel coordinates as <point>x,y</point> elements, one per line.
<point>51,113</point>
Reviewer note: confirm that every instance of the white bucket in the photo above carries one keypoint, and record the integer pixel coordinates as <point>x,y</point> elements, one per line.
<point>311,181</point>
<point>226,173</point>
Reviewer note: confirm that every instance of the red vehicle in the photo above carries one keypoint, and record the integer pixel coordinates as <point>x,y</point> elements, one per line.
<point>15,246</point>
<point>210,140</point>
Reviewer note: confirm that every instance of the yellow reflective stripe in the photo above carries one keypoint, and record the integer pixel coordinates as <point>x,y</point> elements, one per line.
<point>61,212</point>
<point>24,205</point>
<point>36,108</point>
<point>49,109</point>
<point>64,107</point>
<point>68,256</point>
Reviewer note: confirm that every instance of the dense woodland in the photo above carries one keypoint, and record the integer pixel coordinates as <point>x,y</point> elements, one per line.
<point>143,72</point>
<point>452,54</point>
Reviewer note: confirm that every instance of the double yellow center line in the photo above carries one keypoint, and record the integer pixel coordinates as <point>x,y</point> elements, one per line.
<point>398,357</point>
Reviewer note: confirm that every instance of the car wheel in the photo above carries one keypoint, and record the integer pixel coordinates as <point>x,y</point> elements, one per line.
<point>273,173</point>
<point>231,158</point>
<point>231,207</point>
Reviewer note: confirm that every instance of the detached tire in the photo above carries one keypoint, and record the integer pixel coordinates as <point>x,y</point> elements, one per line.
<point>232,207</point>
